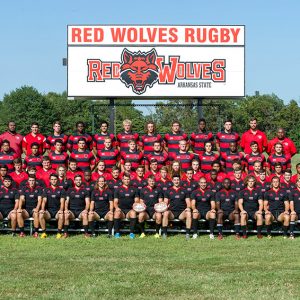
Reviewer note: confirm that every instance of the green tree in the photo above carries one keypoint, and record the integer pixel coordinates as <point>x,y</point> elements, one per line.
<point>26,105</point>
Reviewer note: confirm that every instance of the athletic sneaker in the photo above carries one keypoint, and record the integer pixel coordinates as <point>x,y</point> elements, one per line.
<point>87,235</point>
<point>195,236</point>
<point>292,237</point>
<point>43,235</point>
<point>117,235</point>
<point>142,235</point>
<point>211,236</point>
<point>237,236</point>
<point>14,234</point>
<point>131,235</point>
<point>220,236</point>
<point>157,236</point>
<point>59,236</point>
<point>66,235</point>
<point>93,235</point>
<point>164,236</point>
<point>187,236</point>
<point>35,235</point>
<point>244,236</point>
<point>260,236</point>
<point>269,236</point>
<point>285,237</point>
<point>22,234</point>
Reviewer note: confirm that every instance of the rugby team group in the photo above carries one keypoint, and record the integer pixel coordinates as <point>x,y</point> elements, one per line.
<point>141,177</point>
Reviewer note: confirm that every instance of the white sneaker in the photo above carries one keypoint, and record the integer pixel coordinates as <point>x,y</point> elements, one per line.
<point>195,235</point>
<point>211,236</point>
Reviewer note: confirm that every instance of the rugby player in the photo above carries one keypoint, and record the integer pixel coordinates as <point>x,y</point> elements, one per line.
<point>294,198</point>
<point>108,154</point>
<point>73,170</point>
<point>179,207</point>
<point>124,198</point>
<point>7,156</point>
<point>278,156</point>
<point>253,157</point>
<point>57,156</point>
<point>44,173</point>
<point>158,154</point>
<point>288,145</point>
<point>251,206</point>
<point>115,181</point>
<point>33,137</point>
<point>133,155</point>
<point>77,135</point>
<point>227,158</point>
<point>14,138</point>
<point>126,135</point>
<point>34,159</point>
<point>102,206</point>
<point>9,202</point>
<point>225,137</point>
<point>99,138</point>
<point>276,207</point>
<point>203,206</point>
<point>208,158</point>
<point>29,205</point>
<point>57,135</point>
<point>172,139</point>
<point>77,206</point>
<point>150,195</point>
<point>18,176</point>
<point>53,206</point>
<point>227,208</point>
<point>84,157</point>
<point>198,139</point>
<point>101,171</point>
<point>253,134</point>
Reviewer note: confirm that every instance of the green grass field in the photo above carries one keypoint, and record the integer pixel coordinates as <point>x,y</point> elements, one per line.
<point>100,268</point>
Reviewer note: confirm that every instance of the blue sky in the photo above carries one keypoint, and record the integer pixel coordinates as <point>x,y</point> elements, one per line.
<point>34,34</point>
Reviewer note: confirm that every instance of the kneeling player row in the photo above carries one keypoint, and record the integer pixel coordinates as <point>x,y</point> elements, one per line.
<point>113,206</point>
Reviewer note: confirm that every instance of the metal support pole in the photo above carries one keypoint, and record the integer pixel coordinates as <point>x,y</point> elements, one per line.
<point>199,108</point>
<point>93,117</point>
<point>112,115</point>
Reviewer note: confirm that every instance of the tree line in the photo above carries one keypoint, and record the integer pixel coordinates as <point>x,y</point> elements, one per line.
<point>26,104</point>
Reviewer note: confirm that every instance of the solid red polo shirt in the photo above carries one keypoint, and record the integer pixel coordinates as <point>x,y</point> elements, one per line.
<point>248,137</point>
<point>287,144</point>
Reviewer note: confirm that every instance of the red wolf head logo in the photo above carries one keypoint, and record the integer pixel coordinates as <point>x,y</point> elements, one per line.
<point>138,70</point>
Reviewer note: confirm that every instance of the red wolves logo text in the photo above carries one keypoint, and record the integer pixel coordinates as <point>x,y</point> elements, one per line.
<point>139,70</point>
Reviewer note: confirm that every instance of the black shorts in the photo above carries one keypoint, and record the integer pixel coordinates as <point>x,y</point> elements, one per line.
<point>101,213</point>
<point>150,211</point>
<point>29,211</point>
<point>226,214</point>
<point>176,213</point>
<point>251,215</point>
<point>53,213</point>
<point>203,213</point>
<point>5,212</point>
<point>125,211</point>
<point>276,213</point>
<point>77,212</point>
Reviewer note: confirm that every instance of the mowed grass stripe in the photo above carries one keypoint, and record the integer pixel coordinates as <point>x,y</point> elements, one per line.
<point>149,269</point>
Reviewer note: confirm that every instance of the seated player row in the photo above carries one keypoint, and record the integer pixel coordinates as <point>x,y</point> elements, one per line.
<point>111,157</point>
<point>176,202</point>
<point>145,142</point>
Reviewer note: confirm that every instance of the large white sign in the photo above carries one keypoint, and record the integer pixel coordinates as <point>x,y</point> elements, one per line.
<point>156,61</point>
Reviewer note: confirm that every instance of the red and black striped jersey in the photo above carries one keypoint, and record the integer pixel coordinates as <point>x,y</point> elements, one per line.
<point>185,159</point>
<point>124,137</point>
<point>228,158</point>
<point>283,159</point>
<point>206,160</point>
<point>7,159</point>
<point>84,159</point>
<point>99,140</point>
<point>33,161</point>
<point>198,140</point>
<point>147,141</point>
<point>136,158</point>
<point>51,139</point>
<point>172,141</point>
<point>225,138</point>
<point>161,157</point>
<point>251,158</point>
<point>73,141</point>
<point>109,156</point>
<point>58,159</point>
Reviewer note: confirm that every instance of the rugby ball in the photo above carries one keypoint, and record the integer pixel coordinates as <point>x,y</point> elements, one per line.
<point>160,207</point>
<point>139,207</point>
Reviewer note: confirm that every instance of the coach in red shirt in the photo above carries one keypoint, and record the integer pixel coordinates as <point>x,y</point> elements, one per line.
<point>287,144</point>
<point>253,134</point>
<point>14,138</point>
<point>33,137</point>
